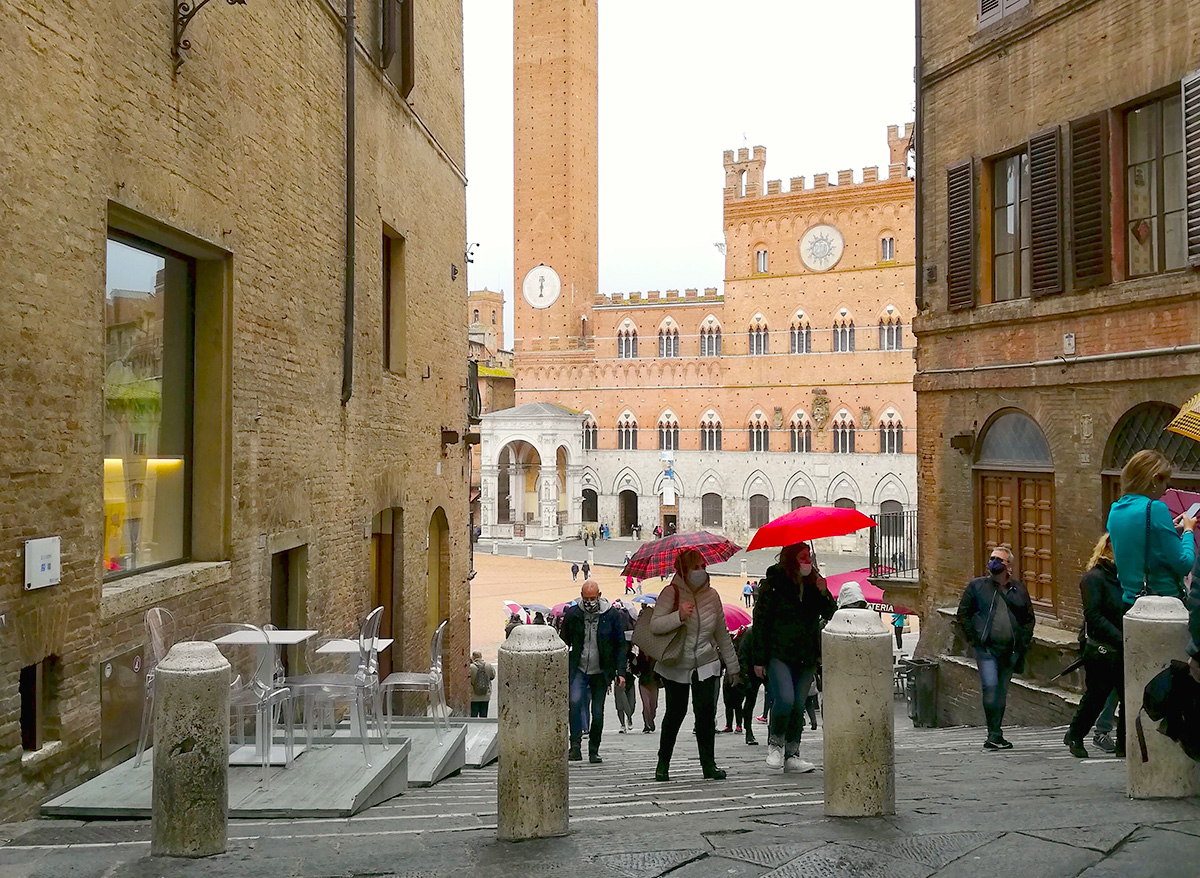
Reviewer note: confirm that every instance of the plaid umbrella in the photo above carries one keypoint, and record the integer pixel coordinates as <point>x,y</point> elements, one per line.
<point>657,558</point>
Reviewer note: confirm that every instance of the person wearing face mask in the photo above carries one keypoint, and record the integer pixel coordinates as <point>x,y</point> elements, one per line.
<point>997,618</point>
<point>595,631</point>
<point>793,603</point>
<point>690,602</point>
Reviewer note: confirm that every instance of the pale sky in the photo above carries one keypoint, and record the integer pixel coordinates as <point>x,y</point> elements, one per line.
<point>817,83</point>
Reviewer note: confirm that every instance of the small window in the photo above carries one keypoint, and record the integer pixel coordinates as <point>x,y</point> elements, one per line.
<point>590,435</point>
<point>760,510</point>
<point>801,337</point>
<point>627,347</point>
<point>891,437</point>
<point>475,317</point>
<point>710,435</point>
<point>38,702</point>
<point>668,342</point>
<point>395,304</point>
<point>1155,188</point>
<point>843,336</point>
<point>711,511</point>
<point>493,318</point>
<point>710,342</point>
<point>843,436</point>
<point>759,341</point>
<point>801,435</point>
<point>396,55</point>
<point>887,249</point>
<point>627,435</point>
<point>760,261</point>
<point>889,334</point>
<point>760,436</point>
<point>1010,228</point>
<point>668,435</point>
<point>991,11</point>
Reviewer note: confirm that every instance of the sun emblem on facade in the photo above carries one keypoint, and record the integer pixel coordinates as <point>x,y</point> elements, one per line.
<point>821,247</point>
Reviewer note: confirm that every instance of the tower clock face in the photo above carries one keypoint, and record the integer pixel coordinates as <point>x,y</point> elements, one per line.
<point>821,248</point>
<point>541,286</point>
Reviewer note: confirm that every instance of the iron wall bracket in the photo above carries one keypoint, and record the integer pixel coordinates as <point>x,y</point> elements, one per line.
<point>184,13</point>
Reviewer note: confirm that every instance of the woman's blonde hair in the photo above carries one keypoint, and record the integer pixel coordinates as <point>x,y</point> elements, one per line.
<point>1103,550</point>
<point>1146,472</point>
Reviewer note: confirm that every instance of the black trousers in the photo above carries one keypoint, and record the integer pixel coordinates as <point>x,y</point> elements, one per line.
<point>751,686</point>
<point>479,708</point>
<point>734,699</point>
<point>704,708</point>
<point>1100,678</point>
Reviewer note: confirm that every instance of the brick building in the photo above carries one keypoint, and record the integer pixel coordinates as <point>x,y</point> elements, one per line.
<point>1059,205</point>
<point>173,401</point>
<point>696,408</point>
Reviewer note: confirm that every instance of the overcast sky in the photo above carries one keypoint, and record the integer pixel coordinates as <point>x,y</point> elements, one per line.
<point>817,83</point>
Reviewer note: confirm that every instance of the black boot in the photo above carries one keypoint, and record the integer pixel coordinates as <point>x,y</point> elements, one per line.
<point>663,771</point>
<point>575,754</point>
<point>750,736</point>
<point>1075,745</point>
<point>711,772</point>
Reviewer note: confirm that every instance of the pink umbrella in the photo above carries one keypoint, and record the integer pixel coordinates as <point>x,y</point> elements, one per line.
<point>809,523</point>
<point>559,609</point>
<point>736,617</point>
<point>512,607</point>
<point>872,593</point>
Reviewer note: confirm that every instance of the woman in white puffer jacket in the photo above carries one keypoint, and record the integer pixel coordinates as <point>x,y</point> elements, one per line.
<point>692,603</point>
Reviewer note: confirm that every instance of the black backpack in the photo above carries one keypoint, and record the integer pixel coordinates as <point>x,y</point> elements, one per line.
<point>1172,699</point>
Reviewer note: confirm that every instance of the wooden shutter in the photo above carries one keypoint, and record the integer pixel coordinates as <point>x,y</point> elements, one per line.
<point>1191,148</point>
<point>960,236</point>
<point>398,39</point>
<point>391,33</point>
<point>989,11</point>
<point>1045,214</point>
<point>1090,258</point>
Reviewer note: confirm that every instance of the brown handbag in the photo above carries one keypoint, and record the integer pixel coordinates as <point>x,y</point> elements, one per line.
<point>667,647</point>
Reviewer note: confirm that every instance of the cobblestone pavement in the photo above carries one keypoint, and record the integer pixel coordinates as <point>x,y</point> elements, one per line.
<point>1032,811</point>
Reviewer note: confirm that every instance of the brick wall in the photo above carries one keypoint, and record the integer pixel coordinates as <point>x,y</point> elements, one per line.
<point>241,152</point>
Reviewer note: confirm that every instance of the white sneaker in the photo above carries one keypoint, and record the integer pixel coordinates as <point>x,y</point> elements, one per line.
<point>795,763</point>
<point>774,756</point>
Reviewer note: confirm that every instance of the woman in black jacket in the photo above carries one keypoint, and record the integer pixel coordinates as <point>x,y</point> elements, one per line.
<point>791,606</point>
<point>1103,664</point>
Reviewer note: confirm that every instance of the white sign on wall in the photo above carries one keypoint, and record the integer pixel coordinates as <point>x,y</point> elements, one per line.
<point>42,566</point>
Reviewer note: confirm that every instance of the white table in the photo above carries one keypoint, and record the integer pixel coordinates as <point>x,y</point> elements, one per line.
<point>348,646</point>
<point>274,637</point>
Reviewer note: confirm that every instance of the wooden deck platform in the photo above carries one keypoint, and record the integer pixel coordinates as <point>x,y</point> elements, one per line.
<point>328,780</point>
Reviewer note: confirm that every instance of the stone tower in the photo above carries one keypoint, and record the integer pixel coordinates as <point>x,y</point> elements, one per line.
<point>555,122</point>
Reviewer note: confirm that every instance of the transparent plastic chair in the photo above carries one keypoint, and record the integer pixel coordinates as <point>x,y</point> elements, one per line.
<point>432,682</point>
<point>160,635</point>
<point>253,689</point>
<point>360,687</point>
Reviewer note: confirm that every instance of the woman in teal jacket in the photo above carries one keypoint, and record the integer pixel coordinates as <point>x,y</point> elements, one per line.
<point>1168,557</point>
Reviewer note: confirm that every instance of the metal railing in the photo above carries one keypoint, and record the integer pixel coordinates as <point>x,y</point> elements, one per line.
<point>894,545</point>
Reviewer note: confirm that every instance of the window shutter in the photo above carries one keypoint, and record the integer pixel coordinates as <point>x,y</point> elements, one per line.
<point>960,236</point>
<point>1045,213</point>
<point>391,33</point>
<point>989,11</point>
<point>407,65</point>
<point>1089,202</point>
<point>1191,148</point>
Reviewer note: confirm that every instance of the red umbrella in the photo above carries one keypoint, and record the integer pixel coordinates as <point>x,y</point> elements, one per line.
<point>657,558</point>
<point>736,617</point>
<point>809,523</point>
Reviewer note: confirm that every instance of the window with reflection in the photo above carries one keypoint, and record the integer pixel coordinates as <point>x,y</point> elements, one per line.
<point>148,320</point>
<point>1155,188</point>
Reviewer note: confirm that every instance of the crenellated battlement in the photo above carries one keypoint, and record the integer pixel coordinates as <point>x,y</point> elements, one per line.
<point>744,171</point>
<point>657,297</point>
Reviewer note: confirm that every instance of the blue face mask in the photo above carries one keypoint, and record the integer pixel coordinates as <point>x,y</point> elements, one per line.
<point>996,566</point>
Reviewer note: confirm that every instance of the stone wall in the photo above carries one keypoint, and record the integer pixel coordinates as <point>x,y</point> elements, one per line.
<point>237,160</point>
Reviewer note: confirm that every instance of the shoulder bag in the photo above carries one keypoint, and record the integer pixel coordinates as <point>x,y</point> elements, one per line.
<point>666,647</point>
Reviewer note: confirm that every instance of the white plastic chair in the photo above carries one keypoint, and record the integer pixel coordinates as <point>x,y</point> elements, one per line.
<point>432,682</point>
<point>160,633</point>
<point>360,687</point>
<point>253,688</point>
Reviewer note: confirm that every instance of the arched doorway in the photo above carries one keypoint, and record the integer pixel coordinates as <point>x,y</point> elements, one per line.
<point>760,511</point>
<point>844,503</point>
<point>437,558</point>
<point>591,506</point>
<point>1014,485</point>
<point>629,512</point>
<point>797,502</point>
<point>1144,426</point>
<point>516,491</point>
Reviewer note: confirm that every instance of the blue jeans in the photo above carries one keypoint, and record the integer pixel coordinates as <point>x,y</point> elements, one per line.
<point>787,688</point>
<point>994,673</point>
<point>588,692</point>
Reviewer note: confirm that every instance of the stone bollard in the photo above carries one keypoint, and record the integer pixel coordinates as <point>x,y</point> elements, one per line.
<point>495,547</point>
<point>531,798</point>
<point>1156,631</point>
<point>190,798</point>
<point>860,755</point>
<point>743,568</point>
<point>558,553</point>
<point>529,551</point>
<point>591,557</point>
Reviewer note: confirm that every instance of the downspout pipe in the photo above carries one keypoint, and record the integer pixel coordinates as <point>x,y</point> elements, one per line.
<point>918,143</point>
<point>348,304</point>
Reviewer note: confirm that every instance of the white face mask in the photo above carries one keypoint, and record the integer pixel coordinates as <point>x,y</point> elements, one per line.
<point>697,578</point>
<point>805,569</point>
